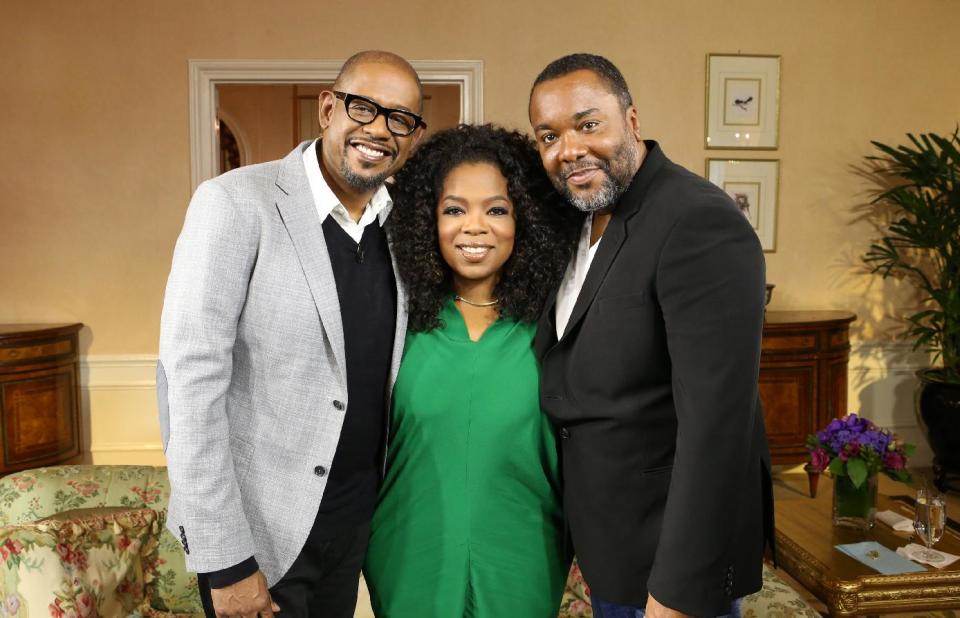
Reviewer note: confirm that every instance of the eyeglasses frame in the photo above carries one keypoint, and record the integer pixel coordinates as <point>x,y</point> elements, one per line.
<point>348,97</point>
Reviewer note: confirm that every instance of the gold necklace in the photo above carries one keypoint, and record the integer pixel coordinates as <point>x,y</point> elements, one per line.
<point>470,302</point>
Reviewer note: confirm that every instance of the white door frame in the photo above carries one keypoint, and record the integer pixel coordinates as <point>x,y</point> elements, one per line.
<point>206,74</point>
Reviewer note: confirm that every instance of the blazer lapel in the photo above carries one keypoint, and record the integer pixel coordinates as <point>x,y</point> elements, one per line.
<point>400,332</point>
<point>546,335</point>
<point>610,244</point>
<point>616,232</point>
<point>299,215</point>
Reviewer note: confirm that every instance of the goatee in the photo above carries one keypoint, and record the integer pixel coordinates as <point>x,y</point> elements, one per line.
<point>359,181</point>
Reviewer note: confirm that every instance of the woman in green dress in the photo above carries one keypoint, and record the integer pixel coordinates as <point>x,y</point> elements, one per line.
<point>469,521</point>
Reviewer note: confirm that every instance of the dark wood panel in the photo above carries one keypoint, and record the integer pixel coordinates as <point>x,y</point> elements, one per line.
<point>803,377</point>
<point>835,404</point>
<point>19,354</point>
<point>788,403</point>
<point>39,419</point>
<point>801,342</point>
<point>39,395</point>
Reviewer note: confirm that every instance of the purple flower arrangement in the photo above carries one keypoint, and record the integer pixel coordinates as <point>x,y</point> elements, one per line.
<point>853,446</point>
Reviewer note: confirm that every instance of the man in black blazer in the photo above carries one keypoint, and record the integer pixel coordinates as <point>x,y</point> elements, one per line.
<point>650,354</point>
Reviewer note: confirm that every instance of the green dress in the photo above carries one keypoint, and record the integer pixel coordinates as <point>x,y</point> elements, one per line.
<point>469,521</point>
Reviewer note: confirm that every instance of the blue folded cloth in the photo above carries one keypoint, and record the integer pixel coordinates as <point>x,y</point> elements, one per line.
<point>879,558</point>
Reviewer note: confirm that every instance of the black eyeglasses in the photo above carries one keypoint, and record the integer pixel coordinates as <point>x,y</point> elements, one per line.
<point>361,109</point>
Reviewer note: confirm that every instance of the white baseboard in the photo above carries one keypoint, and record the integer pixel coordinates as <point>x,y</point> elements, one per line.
<point>119,372</point>
<point>882,385</point>
<point>120,399</point>
<point>120,411</point>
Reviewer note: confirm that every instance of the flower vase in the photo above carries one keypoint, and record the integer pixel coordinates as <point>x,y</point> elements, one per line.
<point>854,507</point>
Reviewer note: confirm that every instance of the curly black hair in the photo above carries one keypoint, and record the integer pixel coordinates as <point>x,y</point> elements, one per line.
<point>546,227</point>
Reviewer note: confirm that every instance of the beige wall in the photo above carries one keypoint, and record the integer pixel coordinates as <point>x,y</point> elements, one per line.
<point>94,122</point>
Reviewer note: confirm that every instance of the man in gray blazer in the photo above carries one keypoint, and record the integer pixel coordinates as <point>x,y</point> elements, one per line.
<point>281,336</point>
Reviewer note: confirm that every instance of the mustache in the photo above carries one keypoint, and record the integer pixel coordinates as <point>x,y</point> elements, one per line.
<point>383,143</point>
<point>572,168</point>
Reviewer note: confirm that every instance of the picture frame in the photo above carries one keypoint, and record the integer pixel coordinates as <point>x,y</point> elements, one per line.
<point>743,102</point>
<point>753,185</point>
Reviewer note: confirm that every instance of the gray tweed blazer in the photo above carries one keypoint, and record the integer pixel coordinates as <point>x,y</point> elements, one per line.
<point>251,380</point>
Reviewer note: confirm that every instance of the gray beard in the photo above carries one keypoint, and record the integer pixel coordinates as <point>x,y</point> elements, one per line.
<point>360,182</point>
<point>615,183</point>
<point>604,197</point>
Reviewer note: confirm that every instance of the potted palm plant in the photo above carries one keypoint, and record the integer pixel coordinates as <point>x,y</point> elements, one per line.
<point>921,243</point>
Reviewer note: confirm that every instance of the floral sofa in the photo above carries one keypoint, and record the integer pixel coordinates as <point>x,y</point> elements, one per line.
<point>68,551</point>
<point>112,561</point>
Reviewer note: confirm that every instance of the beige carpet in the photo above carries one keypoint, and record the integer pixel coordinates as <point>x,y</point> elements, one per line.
<point>363,602</point>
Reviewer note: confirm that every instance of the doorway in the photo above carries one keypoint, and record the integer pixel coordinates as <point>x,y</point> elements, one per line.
<point>207,75</point>
<point>263,122</point>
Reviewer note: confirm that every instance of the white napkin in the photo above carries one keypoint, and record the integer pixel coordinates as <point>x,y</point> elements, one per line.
<point>896,521</point>
<point>912,551</point>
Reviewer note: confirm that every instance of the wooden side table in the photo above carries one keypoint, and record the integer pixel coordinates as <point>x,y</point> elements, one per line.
<point>803,377</point>
<point>39,395</point>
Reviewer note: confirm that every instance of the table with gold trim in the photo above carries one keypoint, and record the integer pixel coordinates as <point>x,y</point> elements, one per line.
<point>805,547</point>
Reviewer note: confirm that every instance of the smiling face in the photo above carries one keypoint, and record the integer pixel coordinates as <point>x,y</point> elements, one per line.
<point>476,227</point>
<point>590,146</point>
<point>359,157</point>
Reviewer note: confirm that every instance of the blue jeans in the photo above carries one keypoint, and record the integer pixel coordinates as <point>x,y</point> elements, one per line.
<point>603,609</point>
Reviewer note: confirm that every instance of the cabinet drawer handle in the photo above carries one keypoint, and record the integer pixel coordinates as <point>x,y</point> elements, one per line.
<point>13,353</point>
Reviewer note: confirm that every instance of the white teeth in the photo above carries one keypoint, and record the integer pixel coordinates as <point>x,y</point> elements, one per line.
<point>370,152</point>
<point>474,250</point>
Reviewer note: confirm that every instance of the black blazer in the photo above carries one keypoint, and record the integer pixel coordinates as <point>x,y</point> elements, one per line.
<point>653,387</point>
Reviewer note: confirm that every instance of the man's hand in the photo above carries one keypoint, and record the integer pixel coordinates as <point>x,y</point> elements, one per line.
<point>656,610</point>
<point>248,598</point>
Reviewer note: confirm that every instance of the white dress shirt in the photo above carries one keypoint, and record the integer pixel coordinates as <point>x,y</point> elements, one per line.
<point>576,273</point>
<point>327,202</point>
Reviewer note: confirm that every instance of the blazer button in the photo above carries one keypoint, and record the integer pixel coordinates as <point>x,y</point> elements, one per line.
<point>564,433</point>
<point>320,471</point>
<point>338,404</point>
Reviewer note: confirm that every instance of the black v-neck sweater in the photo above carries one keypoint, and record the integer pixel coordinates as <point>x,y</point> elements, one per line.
<point>368,308</point>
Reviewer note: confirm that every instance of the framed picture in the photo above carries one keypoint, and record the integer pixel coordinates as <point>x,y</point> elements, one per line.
<point>743,102</point>
<point>753,185</point>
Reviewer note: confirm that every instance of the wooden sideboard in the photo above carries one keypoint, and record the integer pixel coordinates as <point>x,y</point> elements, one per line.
<point>803,377</point>
<point>39,395</point>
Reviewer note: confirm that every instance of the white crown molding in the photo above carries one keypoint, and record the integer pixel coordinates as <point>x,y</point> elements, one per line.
<point>206,74</point>
<point>138,371</point>
<point>119,381</point>
<point>888,356</point>
<point>119,372</point>
<point>125,447</point>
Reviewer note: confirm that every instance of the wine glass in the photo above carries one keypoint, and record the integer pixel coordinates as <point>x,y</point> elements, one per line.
<point>929,519</point>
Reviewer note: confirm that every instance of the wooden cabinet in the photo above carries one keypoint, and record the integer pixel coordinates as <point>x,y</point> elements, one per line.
<point>39,395</point>
<point>803,377</point>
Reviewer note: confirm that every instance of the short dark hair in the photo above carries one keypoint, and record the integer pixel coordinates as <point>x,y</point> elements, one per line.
<point>546,228</point>
<point>603,68</point>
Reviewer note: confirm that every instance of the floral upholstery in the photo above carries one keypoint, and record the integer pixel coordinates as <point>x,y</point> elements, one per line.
<point>34,494</point>
<point>576,597</point>
<point>775,600</point>
<point>78,564</point>
<point>165,588</point>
